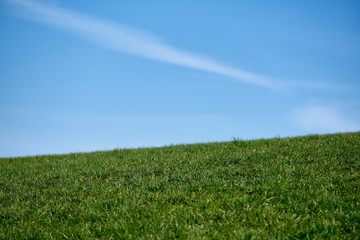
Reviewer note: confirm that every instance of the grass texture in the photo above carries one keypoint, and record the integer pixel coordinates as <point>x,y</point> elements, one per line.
<point>282,188</point>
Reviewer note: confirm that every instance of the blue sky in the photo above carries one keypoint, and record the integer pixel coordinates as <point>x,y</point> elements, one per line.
<point>87,75</point>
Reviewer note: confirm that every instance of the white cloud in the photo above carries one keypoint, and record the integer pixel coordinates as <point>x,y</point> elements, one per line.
<point>324,119</point>
<point>133,41</point>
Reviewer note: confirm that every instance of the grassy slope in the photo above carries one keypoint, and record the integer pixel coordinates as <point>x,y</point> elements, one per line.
<point>306,187</point>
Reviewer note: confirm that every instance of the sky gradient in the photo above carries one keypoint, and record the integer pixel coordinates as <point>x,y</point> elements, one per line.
<point>86,76</point>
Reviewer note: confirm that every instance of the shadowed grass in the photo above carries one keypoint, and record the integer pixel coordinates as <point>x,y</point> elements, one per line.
<point>305,187</point>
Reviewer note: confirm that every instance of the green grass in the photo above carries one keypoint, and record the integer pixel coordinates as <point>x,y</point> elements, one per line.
<point>290,188</point>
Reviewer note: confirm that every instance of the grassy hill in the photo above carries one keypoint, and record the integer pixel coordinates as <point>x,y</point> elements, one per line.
<point>304,187</point>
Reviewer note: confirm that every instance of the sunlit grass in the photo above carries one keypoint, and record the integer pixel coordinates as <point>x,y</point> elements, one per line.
<point>306,187</point>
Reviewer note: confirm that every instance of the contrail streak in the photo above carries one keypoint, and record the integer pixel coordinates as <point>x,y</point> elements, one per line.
<point>132,41</point>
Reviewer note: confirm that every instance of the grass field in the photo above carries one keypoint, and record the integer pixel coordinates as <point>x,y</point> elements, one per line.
<point>284,188</point>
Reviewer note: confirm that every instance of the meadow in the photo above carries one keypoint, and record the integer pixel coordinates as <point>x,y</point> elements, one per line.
<point>281,188</point>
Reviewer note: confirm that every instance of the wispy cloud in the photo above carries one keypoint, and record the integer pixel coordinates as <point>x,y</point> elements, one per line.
<point>132,41</point>
<point>324,119</point>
